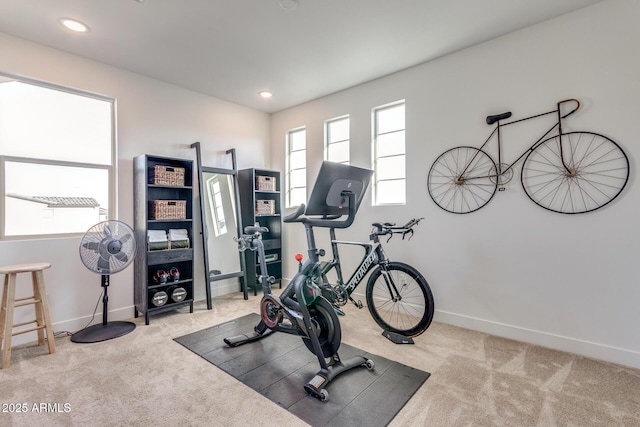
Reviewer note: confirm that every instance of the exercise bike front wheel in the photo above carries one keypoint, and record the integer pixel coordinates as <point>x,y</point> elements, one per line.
<point>400,299</point>
<point>327,327</point>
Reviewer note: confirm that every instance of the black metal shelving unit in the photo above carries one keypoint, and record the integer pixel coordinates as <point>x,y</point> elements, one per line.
<point>260,200</point>
<point>179,293</point>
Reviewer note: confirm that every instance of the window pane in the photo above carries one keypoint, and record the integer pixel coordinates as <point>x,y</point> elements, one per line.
<point>389,151</point>
<point>338,130</point>
<point>391,119</point>
<point>390,144</point>
<point>298,178</point>
<point>339,152</point>
<point>298,160</point>
<point>297,140</point>
<point>297,196</point>
<point>42,123</point>
<point>390,168</point>
<point>297,164</point>
<point>391,192</point>
<point>52,199</point>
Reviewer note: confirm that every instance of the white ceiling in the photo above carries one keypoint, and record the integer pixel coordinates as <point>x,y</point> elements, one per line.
<point>232,49</point>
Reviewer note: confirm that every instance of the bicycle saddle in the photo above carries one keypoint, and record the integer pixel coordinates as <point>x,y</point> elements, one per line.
<point>251,229</point>
<point>492,119</point>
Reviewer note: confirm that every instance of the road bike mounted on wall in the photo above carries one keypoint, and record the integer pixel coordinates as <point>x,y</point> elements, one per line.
<point>570,173</point>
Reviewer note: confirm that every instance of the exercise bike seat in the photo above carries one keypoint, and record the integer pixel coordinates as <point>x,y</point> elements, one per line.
<point>252,229</point>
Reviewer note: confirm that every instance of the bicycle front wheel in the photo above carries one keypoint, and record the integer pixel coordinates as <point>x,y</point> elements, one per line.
<point>594,172</point>
<point>462,180</point>
<point>399,299</point>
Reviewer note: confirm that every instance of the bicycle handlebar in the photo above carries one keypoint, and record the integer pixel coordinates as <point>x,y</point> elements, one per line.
<point>391,229</point>
<point>577,107</point>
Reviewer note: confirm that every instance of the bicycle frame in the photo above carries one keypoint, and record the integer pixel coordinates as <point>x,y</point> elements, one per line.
<point>373,256</point>
<point>496,131</point>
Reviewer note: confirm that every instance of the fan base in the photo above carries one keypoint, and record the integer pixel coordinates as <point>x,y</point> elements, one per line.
<point>103,332</point>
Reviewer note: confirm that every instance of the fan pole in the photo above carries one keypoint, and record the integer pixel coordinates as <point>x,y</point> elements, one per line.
<point>107,330</point>
<point>105,298</point>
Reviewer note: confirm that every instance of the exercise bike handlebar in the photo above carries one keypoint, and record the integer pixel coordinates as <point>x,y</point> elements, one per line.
<point>328,221</point>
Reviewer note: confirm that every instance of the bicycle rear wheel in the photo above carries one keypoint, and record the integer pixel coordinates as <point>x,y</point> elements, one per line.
<point>399,299</point>
<point>462,180</point>
<point>594,172</point>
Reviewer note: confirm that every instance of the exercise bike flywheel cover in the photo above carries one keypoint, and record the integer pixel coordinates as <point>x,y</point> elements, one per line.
<point>270,311</point>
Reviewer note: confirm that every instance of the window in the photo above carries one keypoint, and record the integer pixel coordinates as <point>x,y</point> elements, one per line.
<point>56,159</point>
<point>296,167</point>
<point>389,155</point>
<point>336,137</point>
<point>216,206</point>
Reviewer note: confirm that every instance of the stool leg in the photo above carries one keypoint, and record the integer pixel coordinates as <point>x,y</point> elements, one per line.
<point>3,309</point>
<point>43,316</point>
<point>9,299</point>
<point>38,306</point>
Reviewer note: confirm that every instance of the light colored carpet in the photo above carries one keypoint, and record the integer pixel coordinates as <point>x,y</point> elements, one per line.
<point>147,379</point>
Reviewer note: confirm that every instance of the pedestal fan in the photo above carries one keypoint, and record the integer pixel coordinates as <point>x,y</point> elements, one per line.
<point>106,248</point>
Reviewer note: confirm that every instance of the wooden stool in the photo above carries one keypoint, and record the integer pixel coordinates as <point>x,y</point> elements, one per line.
<point>9,302</point>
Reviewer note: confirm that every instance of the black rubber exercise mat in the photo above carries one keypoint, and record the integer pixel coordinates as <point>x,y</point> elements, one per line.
<point>279,365</point>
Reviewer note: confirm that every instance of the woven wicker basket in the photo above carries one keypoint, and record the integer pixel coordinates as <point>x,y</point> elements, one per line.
<point>168,175</point>
<point>265,183</point>
<point>169,209</point>
<point>265,207</point>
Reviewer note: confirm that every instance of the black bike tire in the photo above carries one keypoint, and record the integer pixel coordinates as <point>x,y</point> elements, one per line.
<point>452,196</point>
<point>563,184</point>
<point>427,315</point>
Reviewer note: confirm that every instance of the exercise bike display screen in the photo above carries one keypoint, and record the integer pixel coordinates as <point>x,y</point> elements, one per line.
<point>333,180</point>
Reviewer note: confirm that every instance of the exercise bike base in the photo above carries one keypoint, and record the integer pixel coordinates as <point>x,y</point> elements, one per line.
<point>237,340</point>
<point>315,387</point>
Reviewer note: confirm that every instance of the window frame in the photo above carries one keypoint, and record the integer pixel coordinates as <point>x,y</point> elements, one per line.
<point>288,165</point>
<point>111,168</point>
<point>375,157</point>
<point>327,137</point>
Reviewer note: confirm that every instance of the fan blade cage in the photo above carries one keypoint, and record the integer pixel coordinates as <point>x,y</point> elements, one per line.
<point>108,247</point>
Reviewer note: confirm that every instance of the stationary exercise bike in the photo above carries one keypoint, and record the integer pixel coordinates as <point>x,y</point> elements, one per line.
<point>301,309</point>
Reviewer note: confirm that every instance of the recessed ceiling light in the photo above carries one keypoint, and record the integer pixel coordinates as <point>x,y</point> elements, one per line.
<point>266,94</point>
<point>288,4</point>
<point>74,25</point>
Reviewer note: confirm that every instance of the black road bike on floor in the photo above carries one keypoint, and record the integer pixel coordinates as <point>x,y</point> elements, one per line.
<point>398,296</point>
<point>570,173</point>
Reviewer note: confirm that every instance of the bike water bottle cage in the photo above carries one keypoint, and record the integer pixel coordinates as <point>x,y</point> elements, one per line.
<point>492,119</point>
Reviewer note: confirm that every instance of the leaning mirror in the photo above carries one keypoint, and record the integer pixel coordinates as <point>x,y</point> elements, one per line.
<point>220,213</point>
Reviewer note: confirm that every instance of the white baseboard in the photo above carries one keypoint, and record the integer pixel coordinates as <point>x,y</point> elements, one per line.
<point>557,342</point>
<point>74,325</point>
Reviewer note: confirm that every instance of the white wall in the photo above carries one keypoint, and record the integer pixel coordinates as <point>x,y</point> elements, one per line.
<point>152,118</point>
<point>512,268</point>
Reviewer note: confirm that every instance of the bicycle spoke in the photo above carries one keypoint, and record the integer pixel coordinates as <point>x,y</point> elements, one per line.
<point>593,173</point>
<point>461,181</point>
<point>398,301</point>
